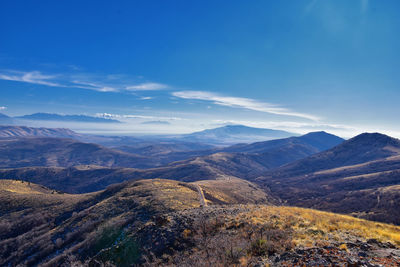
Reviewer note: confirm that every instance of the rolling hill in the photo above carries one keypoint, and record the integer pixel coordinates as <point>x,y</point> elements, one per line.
<point>241,160</point>
<point>258,159</point>
<point>162,222</point>
<point>62,152</point>
<point>160,152</point>
<point>360,177</point>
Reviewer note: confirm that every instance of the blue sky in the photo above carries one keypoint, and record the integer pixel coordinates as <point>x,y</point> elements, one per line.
<point>293,65</point>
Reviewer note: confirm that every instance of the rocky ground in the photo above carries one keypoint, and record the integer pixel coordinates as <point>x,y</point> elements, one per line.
<point>370,253</point>
<point>223,236</point>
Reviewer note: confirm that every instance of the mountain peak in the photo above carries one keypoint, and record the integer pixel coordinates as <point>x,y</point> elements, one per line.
<point>317,133</point>
<point>359,149</point>
<point>322,139</point>
<point>374,139</point>
<point>236,133</point>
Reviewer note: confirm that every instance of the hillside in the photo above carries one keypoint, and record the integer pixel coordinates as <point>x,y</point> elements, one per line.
<point>54,224</point>
<point>315,141</point>
<point>160,222</point>
<point>89,178</point>
<point>362,148</point>
<point>155,153</point>
<point>359,177</point>
<point>257,159</point>
<point>61,152</point>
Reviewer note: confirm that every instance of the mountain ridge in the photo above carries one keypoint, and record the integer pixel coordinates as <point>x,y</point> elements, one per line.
<point>58,117</point>
<point>360,177</point>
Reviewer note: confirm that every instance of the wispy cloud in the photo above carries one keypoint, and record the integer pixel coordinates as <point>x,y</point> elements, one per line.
<point>146,87</point>
<point>94,86</point>
<point>35,77</point>
<point>241,102</point>
<point>3,108</point>
<point>146,98</point>
<point>104,83</point>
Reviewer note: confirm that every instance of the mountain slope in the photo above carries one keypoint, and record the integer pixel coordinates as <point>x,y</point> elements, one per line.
<point>359,177</point>
<point>82,179</point>
<point>249,160</point>
<point>315,141</point>
<point>232,134</point>
<point>43,225</point>
<point>159,222</point>
<point>362,148</point>
<point>61,152</point>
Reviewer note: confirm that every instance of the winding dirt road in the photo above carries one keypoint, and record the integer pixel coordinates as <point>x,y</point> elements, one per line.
<point>203,202</point>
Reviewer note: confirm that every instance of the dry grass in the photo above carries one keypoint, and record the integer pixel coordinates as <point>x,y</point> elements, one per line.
<point>312,227</point>
<point>20,187</point>
<point>233,190</point>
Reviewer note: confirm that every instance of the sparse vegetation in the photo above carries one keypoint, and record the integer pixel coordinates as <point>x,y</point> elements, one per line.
<point>161,223</point>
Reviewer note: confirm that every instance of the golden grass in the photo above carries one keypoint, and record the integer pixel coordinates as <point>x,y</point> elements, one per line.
<point>20,187</point>
<point>233,190</point>
<point>312,227</point>
<point>174,194</point>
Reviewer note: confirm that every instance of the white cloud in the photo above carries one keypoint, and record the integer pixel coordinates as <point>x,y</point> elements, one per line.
<point>146,98</point>
<point>242,102</point>
<point>94,86</point>
<point>3,108</point>
<point>146,87</point>
<point>104,83</point>
<point>35,77</point>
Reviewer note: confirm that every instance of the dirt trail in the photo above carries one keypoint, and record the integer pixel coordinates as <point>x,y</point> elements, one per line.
<point>203,202</point>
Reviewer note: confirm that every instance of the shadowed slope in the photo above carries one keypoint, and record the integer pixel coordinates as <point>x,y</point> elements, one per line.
<point>359,177</point>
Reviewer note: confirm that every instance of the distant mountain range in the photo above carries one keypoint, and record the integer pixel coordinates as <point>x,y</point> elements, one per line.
<point>23,131</point>
<point>211,164</point>
<point>58,117</point>
<point>227,135</point>
<point>233,134</point>
<point>4,119</point>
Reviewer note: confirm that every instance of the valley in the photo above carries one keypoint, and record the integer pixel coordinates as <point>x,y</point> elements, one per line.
<point>63,195</point>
